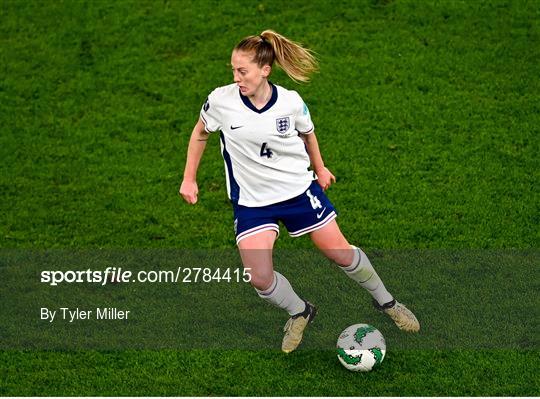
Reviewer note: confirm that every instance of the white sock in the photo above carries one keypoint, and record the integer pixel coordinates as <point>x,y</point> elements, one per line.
<point>281,294</point>
<point>364,274</point>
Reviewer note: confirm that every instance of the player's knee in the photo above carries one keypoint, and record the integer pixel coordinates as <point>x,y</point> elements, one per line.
<point>261,281</point>
<point>343,257</point>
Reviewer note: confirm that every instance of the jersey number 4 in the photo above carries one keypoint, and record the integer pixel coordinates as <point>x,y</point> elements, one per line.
<point>265,151</point>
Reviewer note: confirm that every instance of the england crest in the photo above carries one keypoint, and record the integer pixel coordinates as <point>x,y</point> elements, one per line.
<point>282,124</point>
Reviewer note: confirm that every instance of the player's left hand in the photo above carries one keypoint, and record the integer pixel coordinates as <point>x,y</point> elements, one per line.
<point>325,178</point>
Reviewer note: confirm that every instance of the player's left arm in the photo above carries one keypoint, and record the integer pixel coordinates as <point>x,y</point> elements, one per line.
<point>324,177</point>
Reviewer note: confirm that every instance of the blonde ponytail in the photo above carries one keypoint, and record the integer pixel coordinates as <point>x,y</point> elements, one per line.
<point>297,61</point>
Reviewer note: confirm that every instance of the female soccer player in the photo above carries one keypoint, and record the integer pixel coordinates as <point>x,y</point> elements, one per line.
<point>268,144</point>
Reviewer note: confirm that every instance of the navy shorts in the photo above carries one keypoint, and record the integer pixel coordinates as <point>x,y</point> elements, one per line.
<point>303,214</point>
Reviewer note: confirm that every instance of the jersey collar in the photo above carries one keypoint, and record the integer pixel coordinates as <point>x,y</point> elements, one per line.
<point>268,105</point>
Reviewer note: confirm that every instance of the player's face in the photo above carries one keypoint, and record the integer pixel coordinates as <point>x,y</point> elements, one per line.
<point>247,74</point>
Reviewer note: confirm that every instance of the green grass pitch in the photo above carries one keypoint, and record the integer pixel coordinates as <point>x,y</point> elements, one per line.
<point>427,112</point>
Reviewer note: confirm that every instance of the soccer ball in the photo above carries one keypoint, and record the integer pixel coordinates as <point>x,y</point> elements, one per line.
<point>361,347</point>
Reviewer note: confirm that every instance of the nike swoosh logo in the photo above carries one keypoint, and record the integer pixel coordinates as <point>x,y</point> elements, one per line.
<point>235,127</point>
<point>320,214</point>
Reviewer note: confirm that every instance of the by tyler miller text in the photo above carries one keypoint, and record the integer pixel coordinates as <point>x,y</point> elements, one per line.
<point>73,315</point>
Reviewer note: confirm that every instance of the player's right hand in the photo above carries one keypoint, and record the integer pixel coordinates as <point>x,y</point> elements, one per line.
<point>189,191</point>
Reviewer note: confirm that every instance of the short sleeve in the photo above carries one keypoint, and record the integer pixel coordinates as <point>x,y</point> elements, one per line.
<point>303,123</point>
<point>210,114</point>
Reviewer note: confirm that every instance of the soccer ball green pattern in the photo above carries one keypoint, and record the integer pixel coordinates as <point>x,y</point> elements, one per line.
<point>361,347</point>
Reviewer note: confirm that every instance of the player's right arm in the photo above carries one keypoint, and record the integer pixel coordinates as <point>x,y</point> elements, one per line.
<point>197,143</point>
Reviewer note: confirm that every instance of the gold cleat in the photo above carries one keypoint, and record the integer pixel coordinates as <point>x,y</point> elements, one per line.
<point>403,317</point>
<point>294,329</point>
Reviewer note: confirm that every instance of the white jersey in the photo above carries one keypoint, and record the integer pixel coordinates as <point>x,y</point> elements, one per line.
<point>265,160</point>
